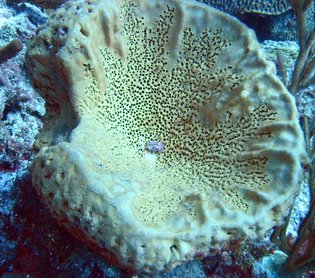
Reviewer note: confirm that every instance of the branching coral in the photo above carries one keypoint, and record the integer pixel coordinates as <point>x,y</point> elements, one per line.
<point>302,252</point>
<point>305,64</point>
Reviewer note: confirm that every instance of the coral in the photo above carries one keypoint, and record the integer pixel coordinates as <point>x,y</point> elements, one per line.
<point>305,64</point>
<point>288,49</point>
<point>301,251</point>
<point>283,54</point>
<point>275,20</point>
<point>34,14</point>
<point>10,50</point>
<point>249,6</point>
<point>272,266</point>
<point>283,27</point>
<point>236,259</point>
<point>47,4</point>
<point>118,76</point>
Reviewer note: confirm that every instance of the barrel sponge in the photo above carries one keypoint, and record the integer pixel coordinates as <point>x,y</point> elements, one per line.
<point>166,131</point>
<point>270,7</point>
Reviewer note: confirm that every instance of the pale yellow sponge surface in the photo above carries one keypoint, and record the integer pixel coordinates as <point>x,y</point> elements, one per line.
<point>166,131</point>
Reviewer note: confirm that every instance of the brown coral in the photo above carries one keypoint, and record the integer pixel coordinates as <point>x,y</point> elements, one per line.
<point>10,50</point>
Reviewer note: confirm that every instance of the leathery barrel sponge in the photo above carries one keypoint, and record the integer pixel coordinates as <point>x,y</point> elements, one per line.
<point>166,130</point>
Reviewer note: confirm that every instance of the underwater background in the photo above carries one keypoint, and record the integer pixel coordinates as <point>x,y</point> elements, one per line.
<point>33,244</point>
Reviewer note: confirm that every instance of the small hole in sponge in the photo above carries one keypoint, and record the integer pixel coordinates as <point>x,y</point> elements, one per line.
<point>173,247</point>
<point>64,29</point>
<point>84,32</point>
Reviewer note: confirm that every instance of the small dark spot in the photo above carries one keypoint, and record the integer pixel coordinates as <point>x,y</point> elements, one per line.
<point>42,164</point>
<point>36,114</point>
<point>63,30</point>
<point>84,32</point>
<point>65,204</point>
<point>173,247</point>
<point>51,195</point>
<point>77,220</point>
<point>47,44</point>
<point>48,176</point>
